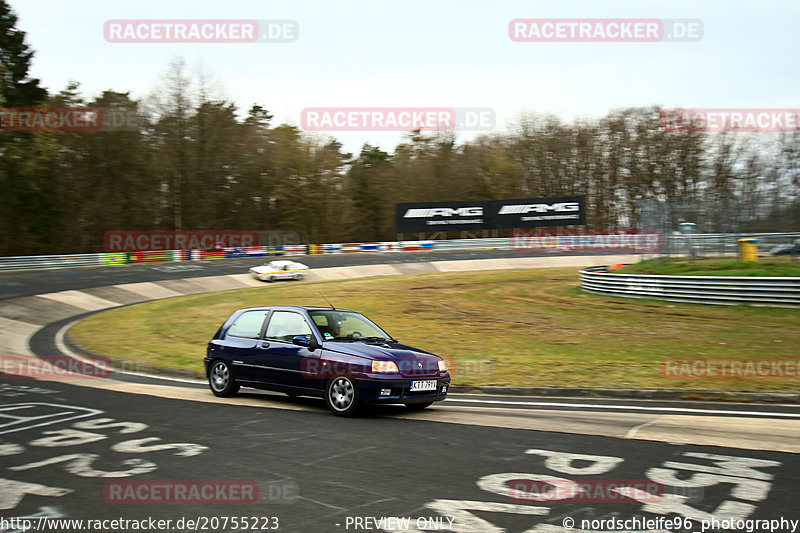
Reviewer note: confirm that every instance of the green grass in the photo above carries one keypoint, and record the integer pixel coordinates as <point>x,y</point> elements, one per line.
<point>525,327</point>
<point>773,266</point>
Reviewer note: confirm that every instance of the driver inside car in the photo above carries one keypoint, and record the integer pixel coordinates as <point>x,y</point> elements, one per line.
<point>332,329</point>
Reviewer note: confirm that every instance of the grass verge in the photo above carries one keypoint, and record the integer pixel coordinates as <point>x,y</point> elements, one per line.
<point>673,266</point>
<point>525,327</point>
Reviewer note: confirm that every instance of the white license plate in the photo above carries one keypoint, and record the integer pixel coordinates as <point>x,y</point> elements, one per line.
<point>423,385</point>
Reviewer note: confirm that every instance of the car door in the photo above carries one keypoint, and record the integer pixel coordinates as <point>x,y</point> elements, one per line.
<point>242,343</point>
<point>281,362</point>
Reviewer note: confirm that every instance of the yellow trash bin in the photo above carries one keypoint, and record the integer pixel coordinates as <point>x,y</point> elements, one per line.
<point>748,250</point>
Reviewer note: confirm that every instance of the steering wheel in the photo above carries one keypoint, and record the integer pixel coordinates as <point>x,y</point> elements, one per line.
<point>356,335</point>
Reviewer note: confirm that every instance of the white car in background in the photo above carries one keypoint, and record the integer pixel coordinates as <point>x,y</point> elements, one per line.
<point>275,270</point>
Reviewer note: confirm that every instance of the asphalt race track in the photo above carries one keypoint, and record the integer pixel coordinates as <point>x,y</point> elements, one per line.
<point>72,452</point>
<point>22,283</point>
<point>125,452</point>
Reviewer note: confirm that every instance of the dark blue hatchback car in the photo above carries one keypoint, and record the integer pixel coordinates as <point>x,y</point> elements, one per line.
<point>336,354</point>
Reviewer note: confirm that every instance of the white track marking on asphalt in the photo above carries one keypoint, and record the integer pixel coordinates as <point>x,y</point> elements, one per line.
<point>64,349</point>
<point>634,430</point>
<point>62,346</point>
<point>630,407</point>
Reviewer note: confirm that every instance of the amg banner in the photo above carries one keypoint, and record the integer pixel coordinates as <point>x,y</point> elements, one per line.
<point>440,216</point>
<point>538,212</point>
<point>491,214</point>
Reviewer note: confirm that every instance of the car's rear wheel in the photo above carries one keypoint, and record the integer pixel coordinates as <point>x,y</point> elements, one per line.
<point>418,406</point>
<point>341,396</point>
<point>221,380</point>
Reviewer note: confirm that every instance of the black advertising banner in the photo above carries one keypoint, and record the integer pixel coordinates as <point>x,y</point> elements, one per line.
<point>537,212</point>
<point>440,216</point>
<point>491,214</point>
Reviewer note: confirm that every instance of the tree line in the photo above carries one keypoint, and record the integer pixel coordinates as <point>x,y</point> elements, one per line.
<point>195,162</point>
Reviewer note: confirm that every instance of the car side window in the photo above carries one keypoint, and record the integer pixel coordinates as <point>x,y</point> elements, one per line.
<point>284,325</point>
<point>248,325</point>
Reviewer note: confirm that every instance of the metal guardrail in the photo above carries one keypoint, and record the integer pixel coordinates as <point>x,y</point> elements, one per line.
<point>45,262</point>
<point>703,244</point>
<point>720,290</point>
<point>473,244</point>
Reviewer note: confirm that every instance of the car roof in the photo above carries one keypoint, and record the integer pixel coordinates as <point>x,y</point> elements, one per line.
<point>295,307</point>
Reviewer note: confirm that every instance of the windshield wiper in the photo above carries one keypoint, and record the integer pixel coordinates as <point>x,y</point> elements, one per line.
<point>363,339</point>
<point>376,339</point>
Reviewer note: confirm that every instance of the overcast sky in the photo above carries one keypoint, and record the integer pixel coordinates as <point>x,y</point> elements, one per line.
<point>432,53</point>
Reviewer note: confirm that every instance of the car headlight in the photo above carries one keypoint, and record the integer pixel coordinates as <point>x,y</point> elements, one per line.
<point>442,366</point>
<point>384,366</point>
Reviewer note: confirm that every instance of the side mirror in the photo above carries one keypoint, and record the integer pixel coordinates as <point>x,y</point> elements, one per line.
<point>302,340</point>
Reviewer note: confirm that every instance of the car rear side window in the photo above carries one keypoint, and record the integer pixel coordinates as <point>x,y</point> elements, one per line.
<point>248,324</point>
<point>284,325</point>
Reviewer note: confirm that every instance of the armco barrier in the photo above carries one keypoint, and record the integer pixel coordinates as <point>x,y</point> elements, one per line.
<point>672,244</point>
<point>720,290</point>
<point>46,262</point>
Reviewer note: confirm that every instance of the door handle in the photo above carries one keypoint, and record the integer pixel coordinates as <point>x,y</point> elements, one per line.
<point>265,344</point>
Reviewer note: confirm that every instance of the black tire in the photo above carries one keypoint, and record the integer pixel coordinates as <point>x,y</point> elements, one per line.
<point>418,406</point>
<point>221,380</point>
<point>341,396</point>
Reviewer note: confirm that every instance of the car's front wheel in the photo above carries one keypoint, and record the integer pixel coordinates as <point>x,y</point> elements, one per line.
<point>221,380</point>
<point>341,396</point>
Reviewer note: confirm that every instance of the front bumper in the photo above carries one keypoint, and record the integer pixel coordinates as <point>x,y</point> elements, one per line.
<point>399,391</point>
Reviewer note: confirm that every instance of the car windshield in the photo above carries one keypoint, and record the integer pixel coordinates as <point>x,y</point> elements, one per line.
<point>347,325</point>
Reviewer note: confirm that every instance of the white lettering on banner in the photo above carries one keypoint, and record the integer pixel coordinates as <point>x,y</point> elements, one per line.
<point>444,212</point>
<point>538,208</point>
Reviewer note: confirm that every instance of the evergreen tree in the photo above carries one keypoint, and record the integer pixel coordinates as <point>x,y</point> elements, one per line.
<point>28,207</point>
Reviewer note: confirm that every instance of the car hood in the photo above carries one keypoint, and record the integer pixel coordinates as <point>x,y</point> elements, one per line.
<point>410,360</point>
<point>262,269</point>
<point>265,269</point>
